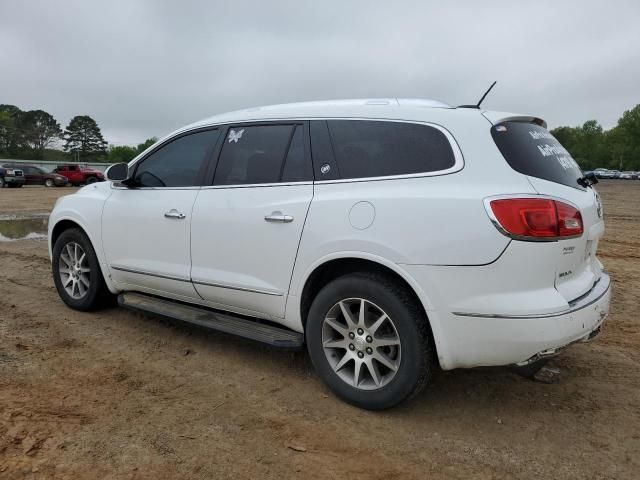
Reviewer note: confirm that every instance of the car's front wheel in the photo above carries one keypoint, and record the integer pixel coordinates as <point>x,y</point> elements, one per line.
<point>368,339</point>
<point>76,272</point>
<point>49,182</point>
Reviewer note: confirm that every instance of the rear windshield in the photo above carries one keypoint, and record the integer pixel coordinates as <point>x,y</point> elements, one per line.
<point>530,149</point>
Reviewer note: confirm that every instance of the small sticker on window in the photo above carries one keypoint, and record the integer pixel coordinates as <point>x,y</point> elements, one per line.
<point>234,135</point>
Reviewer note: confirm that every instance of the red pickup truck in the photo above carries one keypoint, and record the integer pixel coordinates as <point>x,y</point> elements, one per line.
<point>77,174</point>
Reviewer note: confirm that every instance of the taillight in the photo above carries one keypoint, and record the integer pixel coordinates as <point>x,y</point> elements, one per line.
<point>536,218</point>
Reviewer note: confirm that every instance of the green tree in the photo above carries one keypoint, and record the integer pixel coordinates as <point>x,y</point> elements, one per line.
<point>629,138</point>
<point>125,153</point>
<point>146,144</point>
<point>121,154</point>
<point>8,126</point>
<point>38,130</point>
<point>83,139</point>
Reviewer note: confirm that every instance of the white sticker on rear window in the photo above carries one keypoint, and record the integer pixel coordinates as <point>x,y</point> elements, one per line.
<point>538,135</point>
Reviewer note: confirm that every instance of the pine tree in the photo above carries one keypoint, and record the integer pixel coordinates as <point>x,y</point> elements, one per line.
<point>84,139</point>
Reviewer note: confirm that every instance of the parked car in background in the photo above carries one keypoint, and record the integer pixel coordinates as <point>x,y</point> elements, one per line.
<point>390,236</point>
<point>11,177</point>
<point>79,175</point>
<point>38,176</point>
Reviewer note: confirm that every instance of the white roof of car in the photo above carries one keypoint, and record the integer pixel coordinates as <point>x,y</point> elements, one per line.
<point>326,108</point>
<point>400,109</point>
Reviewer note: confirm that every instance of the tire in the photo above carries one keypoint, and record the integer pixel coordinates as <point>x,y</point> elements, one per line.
<point>96,295</point>
<point>406,323</point>
<point>91,180</point>
<point>19,185</point>
<point>49,183</point>
<point>11,185</point>
<point>2,182</point>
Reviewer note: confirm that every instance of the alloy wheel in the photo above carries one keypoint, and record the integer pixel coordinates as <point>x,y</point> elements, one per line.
<point>74,270</point>
<point>361,343</point>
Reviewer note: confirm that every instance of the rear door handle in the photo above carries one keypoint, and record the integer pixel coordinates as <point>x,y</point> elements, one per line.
<point>278,217</point>
<point>173,213</point>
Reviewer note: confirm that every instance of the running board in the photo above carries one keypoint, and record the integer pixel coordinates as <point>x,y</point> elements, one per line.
<point>222,322</point>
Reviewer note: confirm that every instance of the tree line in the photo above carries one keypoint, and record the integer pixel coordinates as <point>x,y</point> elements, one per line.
<point>35,134</point>
<point>593,147</point>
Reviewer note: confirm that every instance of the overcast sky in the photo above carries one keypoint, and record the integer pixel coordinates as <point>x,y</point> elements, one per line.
<point>144,68</point>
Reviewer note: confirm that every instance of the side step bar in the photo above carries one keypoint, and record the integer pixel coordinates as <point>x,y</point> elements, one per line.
<point>242,327</point>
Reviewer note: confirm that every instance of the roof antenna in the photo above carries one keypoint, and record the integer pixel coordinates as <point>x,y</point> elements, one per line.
<point>481,99</point>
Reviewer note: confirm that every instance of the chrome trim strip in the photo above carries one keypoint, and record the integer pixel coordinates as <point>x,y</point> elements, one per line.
<point>234,287</point>
<point>599,290</point>
<point>256,185</point>
<point>151,274</point>
<point>197,282</point>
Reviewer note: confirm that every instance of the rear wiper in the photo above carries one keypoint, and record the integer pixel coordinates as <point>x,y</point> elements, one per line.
<point>588,180</point>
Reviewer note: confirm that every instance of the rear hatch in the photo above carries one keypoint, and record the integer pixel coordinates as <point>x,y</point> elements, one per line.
<point>531,150</point>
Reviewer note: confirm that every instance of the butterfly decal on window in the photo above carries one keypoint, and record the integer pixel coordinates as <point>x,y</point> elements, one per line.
<point>234,135</point>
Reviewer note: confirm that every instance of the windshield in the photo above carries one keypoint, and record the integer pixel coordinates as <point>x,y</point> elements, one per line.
<point>531,150</point>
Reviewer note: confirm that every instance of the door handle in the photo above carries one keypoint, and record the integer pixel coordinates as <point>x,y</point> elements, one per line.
<point>173,213</point>
<point>278,217</point>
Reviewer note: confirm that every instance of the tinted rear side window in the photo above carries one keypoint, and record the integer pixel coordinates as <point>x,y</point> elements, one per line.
<point>374,148</point>
<point>253,154</point>
<point>530,149</point>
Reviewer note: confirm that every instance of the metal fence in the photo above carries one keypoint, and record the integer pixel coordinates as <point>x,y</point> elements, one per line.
<point>48,166</point>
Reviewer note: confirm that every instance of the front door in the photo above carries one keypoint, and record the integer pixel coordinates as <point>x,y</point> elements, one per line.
<point>146,225</point>
<point>246,227</point>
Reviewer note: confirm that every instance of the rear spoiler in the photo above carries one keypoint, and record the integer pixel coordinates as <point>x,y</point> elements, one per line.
<point>498,117</point>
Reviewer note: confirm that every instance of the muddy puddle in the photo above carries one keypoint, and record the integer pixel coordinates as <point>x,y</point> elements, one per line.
<point>32,228</point>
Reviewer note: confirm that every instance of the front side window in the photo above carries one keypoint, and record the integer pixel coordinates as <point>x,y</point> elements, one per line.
<point>256,154</point>
<point>365,148</point>
<point>178,163</point>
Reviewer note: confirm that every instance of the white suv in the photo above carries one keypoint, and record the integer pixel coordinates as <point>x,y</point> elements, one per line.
<point>390,236</point>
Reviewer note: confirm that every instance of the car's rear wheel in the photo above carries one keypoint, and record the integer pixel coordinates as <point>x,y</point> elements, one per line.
<point>76,272</point>
<point>2,182</point>
<point>368,339</point>
<point>91,180</point>
<point>49,182</point>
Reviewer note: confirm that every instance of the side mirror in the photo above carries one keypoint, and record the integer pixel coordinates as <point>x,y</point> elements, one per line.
<point>117,172</point>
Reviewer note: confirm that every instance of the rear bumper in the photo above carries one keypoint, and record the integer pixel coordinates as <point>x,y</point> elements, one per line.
<point>486,340</point>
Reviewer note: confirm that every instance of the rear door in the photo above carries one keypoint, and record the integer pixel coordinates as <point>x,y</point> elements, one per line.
<point>530,149</point>
<point>32,175</point>
<point>247,225</point>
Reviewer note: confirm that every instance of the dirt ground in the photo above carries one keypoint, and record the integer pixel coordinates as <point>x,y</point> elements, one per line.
<point>120,395</point>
